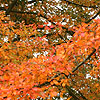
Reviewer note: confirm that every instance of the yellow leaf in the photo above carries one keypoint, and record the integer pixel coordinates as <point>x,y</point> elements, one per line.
<point>63,84</point>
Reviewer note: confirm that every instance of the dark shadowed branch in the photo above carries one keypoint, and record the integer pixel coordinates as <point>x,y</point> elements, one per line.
<point>84,61</point>
<point>80,5</point>
<point>93,17</point>
<point>11,6</point>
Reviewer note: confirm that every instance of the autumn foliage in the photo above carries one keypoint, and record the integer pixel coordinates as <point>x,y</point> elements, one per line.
<point>34,64</point>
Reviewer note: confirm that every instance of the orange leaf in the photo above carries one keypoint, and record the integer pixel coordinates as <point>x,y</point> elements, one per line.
<point>69,98</point>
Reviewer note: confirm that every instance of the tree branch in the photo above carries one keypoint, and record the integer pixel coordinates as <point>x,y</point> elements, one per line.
<point>62,38</point>
<point>93,17</point>
<point>84,61</point>
<point>69,2</point>
<point>47,82</point>
<point>71,93</point>
<point>30,2</point>
<point>82,95</point>
<point>11,6</point>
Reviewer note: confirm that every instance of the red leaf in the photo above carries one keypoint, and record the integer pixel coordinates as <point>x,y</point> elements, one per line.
<point>51,26</point>
<point>47,28</point>
<point>60,69</point>
<point>59,24</point>
<point>34,27</point>
<point>36,89</point>
<point>1,72</point>
<point>40,26</point>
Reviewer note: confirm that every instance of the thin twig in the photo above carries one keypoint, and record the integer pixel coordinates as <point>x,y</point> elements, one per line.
<point>80,5</point>
<point>93,17</point>
<point>84,61</point>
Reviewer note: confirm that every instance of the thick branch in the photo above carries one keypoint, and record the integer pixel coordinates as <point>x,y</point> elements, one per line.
<point>71,93</point>
<point>11,6</point>
<point>82,95</point>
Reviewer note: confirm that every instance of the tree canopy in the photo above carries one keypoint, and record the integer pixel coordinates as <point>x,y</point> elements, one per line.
<point>49,49</point>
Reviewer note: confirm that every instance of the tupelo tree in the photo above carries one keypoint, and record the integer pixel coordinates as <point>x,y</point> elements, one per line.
<point>38,60</point>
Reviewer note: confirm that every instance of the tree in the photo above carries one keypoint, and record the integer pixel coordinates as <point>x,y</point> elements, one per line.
<point>62,64</point>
